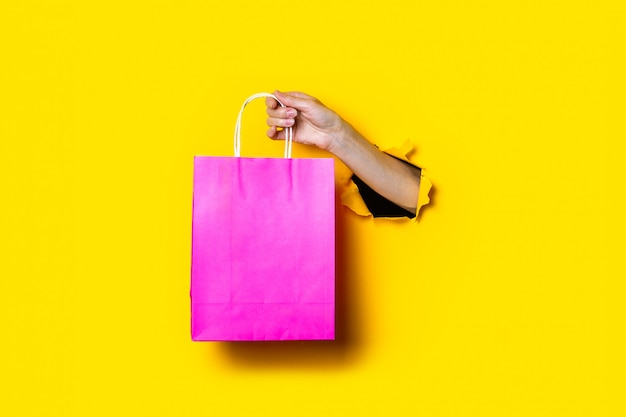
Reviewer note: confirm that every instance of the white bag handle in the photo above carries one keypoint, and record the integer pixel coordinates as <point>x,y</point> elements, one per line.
<point>288,131</point>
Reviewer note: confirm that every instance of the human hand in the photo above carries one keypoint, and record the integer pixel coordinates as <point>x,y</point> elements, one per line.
<point>313,123</point>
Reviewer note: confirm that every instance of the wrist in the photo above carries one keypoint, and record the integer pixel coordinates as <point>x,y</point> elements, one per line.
<point>340,138</point>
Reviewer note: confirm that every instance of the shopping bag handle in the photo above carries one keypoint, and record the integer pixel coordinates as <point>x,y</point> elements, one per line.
<point>288,131</point>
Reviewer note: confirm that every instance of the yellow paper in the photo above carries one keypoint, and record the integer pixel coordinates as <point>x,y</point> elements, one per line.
<point>353,200</point>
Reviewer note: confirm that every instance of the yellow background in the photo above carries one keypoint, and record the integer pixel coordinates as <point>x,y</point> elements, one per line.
<point>502,300</point>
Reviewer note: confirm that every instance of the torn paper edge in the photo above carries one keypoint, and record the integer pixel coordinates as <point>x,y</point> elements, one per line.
<point>352,199</point>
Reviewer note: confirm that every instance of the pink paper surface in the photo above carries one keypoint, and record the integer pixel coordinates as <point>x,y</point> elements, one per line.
<point>263,249</point>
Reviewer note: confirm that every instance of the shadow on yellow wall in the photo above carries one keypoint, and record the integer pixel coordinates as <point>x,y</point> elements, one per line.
<point>344,351</point>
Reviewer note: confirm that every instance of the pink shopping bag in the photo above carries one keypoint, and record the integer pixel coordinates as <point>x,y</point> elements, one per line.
<point>263,247</point>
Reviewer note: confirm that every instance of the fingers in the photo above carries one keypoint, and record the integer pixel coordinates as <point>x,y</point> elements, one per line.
<point>271,103</point>
<point>295,99</point>
<point>274,133</point>
<point>278,122</point>
<point>281,116</point>
<point>297,104</point>
<point>282,112</point>
<point>290,99</point>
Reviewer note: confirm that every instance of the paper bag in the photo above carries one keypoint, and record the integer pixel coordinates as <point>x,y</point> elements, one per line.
<point>263,247</point>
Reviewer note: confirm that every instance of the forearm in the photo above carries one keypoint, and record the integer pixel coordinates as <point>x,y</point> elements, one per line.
<point>395,180</point>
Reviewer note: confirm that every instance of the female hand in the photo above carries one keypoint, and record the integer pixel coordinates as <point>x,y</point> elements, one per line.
<point>313,123</point>
<point>316,124</point>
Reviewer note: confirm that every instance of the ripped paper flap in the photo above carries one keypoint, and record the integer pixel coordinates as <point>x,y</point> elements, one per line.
<point>352,199</point>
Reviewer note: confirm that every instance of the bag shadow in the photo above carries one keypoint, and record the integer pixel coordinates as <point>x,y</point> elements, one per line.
<point>343,351</point>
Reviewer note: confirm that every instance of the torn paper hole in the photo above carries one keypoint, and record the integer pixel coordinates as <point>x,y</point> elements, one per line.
<point>353,199</point>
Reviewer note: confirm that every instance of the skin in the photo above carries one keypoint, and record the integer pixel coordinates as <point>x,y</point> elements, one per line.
<point>315,124</point>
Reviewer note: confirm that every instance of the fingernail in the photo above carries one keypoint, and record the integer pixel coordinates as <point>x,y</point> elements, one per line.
<point>292,113</point>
